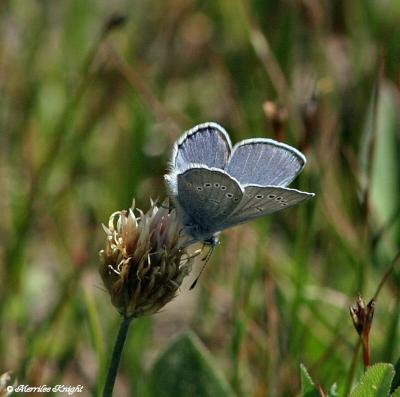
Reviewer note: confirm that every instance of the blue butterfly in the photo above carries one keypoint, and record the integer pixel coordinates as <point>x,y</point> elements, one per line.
<point>215,186</point>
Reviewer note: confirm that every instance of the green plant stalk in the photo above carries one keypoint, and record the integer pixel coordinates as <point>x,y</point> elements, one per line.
<point>239,333</point>
<point>386,275</point>
<point>353,367</point>
<point>116,356</point>
<point>263,51</point>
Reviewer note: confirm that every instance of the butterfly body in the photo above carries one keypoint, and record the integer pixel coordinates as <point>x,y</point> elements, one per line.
<point>215,186</point>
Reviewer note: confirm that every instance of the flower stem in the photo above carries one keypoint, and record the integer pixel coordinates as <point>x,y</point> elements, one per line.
<point>366,351</point>
<point>116,357</point>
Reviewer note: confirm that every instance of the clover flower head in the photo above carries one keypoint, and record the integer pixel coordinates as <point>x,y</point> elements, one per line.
<point>143,263</point>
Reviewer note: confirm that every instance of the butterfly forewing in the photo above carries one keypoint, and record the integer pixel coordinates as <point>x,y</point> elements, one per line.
<point>207,144</point>
<point>208,196</point>
<point>258,201</point>
<point>265,162</point>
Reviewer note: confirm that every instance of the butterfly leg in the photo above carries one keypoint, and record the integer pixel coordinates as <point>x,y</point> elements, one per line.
<point>205,260</point>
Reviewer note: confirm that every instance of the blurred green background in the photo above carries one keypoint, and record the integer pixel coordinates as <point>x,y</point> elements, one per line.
<point>93,95</point>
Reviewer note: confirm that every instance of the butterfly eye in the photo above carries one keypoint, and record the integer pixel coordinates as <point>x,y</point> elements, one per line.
<point>208,184</point>
<point>235,199</point>
<point>199,188</point>
<point>223,187</point>
<point>216,184</point>
<point>229,195</point>
<point>259,196</point>
<point>271,196</point>
<point>284,204</point>
<point>279,198</point>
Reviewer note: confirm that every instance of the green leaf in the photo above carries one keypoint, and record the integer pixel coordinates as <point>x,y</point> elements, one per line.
<point>385,169</point>
<point>375,382</point>
<point>396,379</point>
<point>396,393</point>
<point>308,388</point>
<point>186,368</point>
<point>382,137</point>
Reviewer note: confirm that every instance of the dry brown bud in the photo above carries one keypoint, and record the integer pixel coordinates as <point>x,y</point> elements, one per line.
<point>362,315</point>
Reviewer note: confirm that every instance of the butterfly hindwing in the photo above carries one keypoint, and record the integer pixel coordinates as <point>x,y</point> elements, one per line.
<point>265,162</point>
<point>208,196</point>
<point>259,201</point>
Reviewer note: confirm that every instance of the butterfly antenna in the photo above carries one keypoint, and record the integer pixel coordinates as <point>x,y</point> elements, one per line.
<point>205,259</point>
